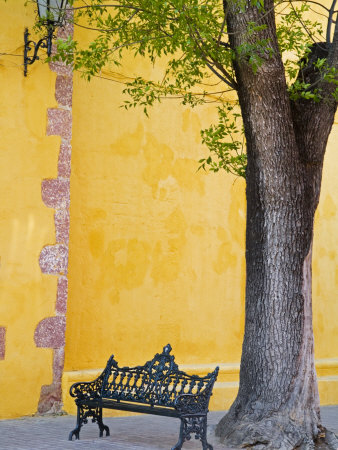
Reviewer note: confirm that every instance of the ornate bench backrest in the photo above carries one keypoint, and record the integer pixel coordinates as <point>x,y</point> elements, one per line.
<point>158,382</point>
<point>162,365</point>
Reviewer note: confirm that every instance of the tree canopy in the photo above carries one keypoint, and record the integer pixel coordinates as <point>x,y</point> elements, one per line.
<point>191,36</point>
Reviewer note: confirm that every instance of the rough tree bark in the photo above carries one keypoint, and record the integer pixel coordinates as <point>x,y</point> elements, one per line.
<point>277,406</point>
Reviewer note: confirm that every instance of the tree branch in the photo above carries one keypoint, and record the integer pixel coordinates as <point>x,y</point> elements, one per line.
<point>106,30</point>
<point>328,30</point>
<point>227,78</point>
<point>333,52</point>
<point>229,83</point>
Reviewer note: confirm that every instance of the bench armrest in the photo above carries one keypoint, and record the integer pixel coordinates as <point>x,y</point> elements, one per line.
<point>197,403</point>
<point>87,389</point>
<point>193,403</point>
<point>93,389</point>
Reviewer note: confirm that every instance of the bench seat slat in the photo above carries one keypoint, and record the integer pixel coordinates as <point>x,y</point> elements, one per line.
<point>132,407</point>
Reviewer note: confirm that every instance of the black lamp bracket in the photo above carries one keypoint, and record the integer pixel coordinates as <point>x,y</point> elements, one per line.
<point>45,42</point>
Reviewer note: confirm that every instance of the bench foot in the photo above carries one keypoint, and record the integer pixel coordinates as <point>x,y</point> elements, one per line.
<point>193,425</point>
<point>76,433</point>
<point>81,419</point>
<point>103,428</point>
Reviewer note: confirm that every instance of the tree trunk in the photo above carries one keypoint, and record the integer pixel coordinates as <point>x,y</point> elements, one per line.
<point>277,406</point>
<point>277,403</point>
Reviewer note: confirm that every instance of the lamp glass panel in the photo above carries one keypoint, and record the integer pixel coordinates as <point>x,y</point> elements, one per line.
<point>43,6</point>
<point>51,9</point>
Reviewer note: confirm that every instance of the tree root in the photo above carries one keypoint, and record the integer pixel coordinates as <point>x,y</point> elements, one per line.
<point>275,432</point>
<point>327,440</point>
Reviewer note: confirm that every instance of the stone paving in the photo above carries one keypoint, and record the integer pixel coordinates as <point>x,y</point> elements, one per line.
<point>141,432</point>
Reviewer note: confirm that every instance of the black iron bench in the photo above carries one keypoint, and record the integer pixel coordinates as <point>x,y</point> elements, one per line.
<point>158,387</point>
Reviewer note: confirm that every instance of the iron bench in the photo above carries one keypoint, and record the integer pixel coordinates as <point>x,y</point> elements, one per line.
<point>158,387</point>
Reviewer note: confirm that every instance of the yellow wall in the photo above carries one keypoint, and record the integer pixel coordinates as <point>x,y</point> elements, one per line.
<point>325,256</point>
<point>158,253</point>
<point>27,156</point>
<point>156,248</point>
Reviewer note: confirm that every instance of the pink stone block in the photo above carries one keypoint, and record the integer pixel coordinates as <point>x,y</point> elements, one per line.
<point>54,259</point>
<point>55,193</point>
<point>59,123</point>
<point>60,68</point>
<point>64,160</point>
<point>2,342</point>
<point>61,219</point>
<point>50,332</point>
<point>68,27</point>
<point>62,295</point>
<point>65,31</point>
<point>50,399</point>
<point>58,363</point>
<point>64,90</point>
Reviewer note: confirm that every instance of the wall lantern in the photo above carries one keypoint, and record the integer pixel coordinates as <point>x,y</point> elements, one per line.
<point>52,14</point>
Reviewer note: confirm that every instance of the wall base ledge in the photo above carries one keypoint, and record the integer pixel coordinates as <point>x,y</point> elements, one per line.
<point>225,389</point>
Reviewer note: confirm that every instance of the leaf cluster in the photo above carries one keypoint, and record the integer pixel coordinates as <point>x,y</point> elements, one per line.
<point>226,142</point>
<point>296,35</point>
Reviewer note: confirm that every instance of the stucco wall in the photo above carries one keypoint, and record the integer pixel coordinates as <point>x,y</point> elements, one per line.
<point>159,248</point>
<point>27,156</point>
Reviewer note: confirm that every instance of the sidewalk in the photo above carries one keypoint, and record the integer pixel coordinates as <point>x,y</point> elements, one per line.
<point>141,432</point>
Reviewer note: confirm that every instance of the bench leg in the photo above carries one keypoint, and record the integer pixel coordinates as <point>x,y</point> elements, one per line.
<point>83,412</point>
<point>180,441</point>
<point>193,425</point>
<point>101,425</point>
<point>79,423</point>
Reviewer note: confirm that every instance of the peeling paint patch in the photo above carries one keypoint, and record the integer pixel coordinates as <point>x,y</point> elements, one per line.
<point>50,332</point>
<point>2,342</point>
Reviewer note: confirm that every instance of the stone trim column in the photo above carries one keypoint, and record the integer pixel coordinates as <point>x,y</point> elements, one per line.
<point>50,332</point>
<point>2,342</point>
